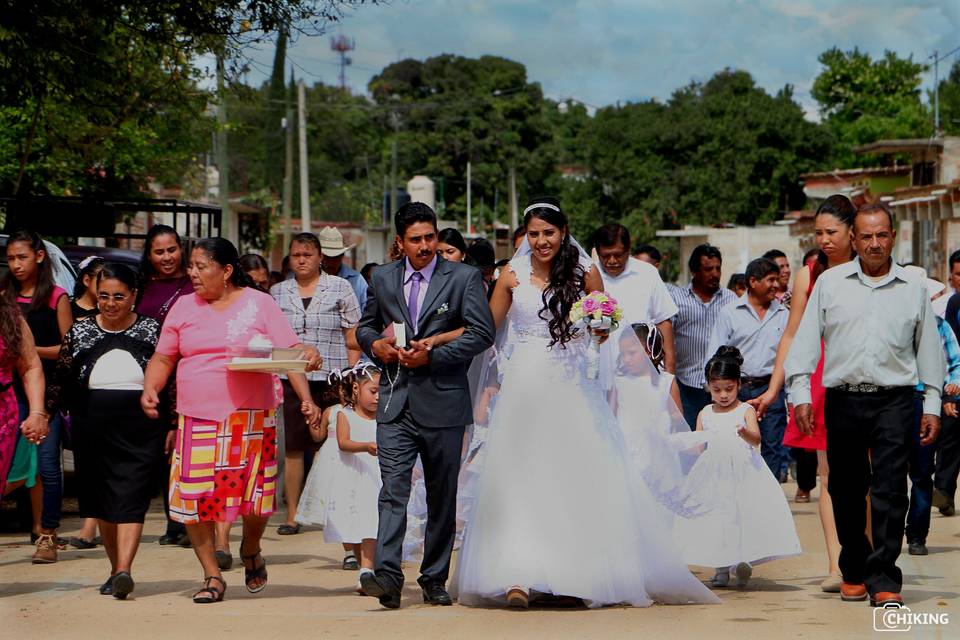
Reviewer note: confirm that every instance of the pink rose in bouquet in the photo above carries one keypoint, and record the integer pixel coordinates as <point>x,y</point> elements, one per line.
<point>590,305</point>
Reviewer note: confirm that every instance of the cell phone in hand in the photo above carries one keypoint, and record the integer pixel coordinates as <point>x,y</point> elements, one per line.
<point>400,333</point>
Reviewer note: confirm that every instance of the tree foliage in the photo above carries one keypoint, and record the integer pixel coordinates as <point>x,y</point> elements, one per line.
<point>863,100</point>
<point>101,96</point>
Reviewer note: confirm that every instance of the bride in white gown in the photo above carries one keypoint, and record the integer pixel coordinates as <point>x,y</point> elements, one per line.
<point>558,508</point>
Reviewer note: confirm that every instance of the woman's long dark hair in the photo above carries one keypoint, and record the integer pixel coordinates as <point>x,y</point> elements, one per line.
<point>10,330</point>
<point>45,282</point>
<point>567,276</point>
<point>222,251</point>
<point>146,267</point>
<point>840,207</point>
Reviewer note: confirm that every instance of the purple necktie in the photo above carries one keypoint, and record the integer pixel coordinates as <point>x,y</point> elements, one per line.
<point>413,302</point>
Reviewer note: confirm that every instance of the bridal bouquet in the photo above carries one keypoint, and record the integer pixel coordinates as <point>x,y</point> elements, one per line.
<point>602,314</point>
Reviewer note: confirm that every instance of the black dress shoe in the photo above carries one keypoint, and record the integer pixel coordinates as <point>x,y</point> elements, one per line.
<point>434,593</point>
<point>106,589</point>
<point>917,548</point>
<point>122,585</point>
<point>376,587</point>
<point>169,539</point>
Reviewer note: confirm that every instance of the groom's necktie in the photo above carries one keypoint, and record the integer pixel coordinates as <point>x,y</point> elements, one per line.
<point>413,302</point>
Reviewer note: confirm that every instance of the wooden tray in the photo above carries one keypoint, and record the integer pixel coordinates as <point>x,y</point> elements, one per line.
<point>266,365</point>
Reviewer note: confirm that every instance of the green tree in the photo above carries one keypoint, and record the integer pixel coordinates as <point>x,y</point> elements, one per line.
<point>98,95</point>
<point>718,152</point>
<point>448,110</point>
<point>950,101</point>
<point>863,100</point>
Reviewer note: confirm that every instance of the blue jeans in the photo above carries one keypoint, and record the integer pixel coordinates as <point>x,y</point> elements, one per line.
<point>693,399</point>
<point>774,423</point>
<point>48,465</point>
<point>921,481</point>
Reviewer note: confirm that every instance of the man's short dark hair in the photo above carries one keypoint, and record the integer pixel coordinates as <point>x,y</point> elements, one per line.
<point>760,268</point>
<point>874,207</point>
<point>412,213</point>
<point>702,251</point>
<point>612,234</point>
<point>650,250</point>
<point>773,254</point>
<point>954,259</point>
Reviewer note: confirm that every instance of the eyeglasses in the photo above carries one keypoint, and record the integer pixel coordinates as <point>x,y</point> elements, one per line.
<point>104,298</point>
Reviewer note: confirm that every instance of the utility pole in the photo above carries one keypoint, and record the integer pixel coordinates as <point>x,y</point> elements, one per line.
<point>393,177</point>
<point>936,94</point>
<point>288,179</point>
<point>304,174</point>
<point>469,210</point>
<point>226,220</point>
<point>514,214</point>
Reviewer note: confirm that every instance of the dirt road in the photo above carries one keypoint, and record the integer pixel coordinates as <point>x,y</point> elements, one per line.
<point>310,596</point>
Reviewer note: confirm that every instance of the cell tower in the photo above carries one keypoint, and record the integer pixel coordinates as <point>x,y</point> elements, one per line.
<point>343,45</point>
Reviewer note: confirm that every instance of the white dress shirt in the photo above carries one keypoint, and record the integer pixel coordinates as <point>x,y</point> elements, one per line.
<point>641,292</point>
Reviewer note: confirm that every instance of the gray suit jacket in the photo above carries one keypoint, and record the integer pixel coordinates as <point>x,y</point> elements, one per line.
<point>438,394</point>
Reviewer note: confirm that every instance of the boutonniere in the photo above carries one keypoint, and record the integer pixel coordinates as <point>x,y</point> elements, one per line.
<point>442,309</point>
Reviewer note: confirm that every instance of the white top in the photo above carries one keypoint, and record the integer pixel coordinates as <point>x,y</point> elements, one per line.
<point>116,370</point>
<point>641,292</point>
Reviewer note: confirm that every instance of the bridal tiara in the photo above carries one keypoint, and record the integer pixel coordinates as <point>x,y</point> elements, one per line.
<point>544,205</point>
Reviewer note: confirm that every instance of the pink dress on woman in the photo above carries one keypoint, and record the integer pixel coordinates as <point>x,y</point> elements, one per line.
<point>9,419</point>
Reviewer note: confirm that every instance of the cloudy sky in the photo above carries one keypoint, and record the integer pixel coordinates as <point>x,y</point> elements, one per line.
<point>603,51</point>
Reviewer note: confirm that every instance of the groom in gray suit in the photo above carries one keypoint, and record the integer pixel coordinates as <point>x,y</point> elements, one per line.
<point>425,400</point>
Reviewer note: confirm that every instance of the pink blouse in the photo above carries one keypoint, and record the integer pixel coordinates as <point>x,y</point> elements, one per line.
<point>201,337</point>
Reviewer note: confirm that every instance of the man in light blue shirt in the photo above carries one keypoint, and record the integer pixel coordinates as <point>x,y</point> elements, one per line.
<point>332,249</point>
<point>754,323</point>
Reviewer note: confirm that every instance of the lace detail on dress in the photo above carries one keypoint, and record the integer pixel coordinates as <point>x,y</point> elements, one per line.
<point>83,345</point>
<point>528,331</point>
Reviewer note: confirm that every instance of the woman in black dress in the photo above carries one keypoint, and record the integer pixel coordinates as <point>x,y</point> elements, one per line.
<point>83,305</point>
<point>119,451</point>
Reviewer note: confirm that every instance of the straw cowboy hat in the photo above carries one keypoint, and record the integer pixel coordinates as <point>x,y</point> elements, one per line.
<point>331,242</point>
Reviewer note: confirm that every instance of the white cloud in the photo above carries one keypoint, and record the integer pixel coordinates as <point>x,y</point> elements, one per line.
<point>604,52</point>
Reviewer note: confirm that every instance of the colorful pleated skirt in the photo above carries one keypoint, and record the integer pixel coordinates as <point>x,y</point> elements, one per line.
<point>224,470</point>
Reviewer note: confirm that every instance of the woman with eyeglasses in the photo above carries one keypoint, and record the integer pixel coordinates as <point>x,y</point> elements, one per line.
<point>323,311</point>
<point>118,450</point>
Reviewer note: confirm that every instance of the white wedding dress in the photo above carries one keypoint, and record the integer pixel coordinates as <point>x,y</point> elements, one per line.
<point>557,507</point>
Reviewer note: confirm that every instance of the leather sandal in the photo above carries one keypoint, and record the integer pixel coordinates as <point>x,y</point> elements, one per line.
<point>256,573</point>
<point>518,598</point>
<point>208,594</point>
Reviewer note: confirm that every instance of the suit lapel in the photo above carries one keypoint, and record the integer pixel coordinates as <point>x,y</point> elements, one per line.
<point>437,283</point>
<point>401,300</point>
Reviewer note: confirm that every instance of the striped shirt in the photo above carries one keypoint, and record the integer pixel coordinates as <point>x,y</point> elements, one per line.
<point>692,329</point>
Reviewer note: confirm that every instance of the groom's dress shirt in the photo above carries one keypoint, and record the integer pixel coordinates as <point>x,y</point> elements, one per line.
<point>427,273</point>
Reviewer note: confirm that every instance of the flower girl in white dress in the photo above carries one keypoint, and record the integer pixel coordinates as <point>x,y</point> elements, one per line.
<point>749,520</point>
<point>342,489</point>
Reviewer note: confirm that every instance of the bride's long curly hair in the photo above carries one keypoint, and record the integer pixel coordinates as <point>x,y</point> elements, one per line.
<point>566,281</point>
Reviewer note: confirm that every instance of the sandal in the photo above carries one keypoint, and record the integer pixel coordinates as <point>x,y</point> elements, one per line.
<point>288,529</point>
<point>256,573</point>
<point>208,594</point>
